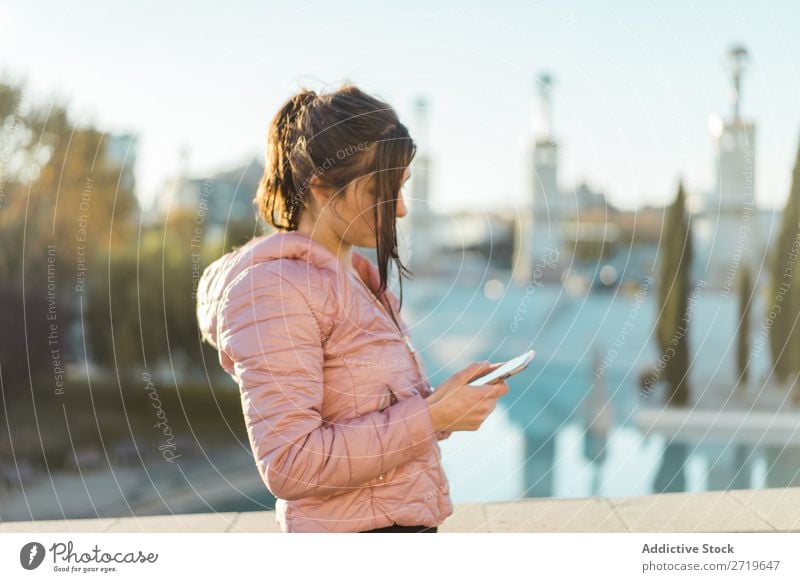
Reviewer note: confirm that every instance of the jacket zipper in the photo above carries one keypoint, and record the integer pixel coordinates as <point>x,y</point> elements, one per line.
<point>403,336</point>
<point>383,307</point>
<point>392,400</point>
<point>410,348</point>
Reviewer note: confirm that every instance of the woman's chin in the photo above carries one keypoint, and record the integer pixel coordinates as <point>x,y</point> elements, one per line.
<point>366,242</point>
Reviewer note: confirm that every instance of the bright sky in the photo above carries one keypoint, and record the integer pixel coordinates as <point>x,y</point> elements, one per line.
<point>636,81</point>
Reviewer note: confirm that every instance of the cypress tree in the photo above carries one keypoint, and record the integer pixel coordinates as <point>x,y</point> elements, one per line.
<point>743,343</point>
<point>673,300</point>
<point>784,296</point>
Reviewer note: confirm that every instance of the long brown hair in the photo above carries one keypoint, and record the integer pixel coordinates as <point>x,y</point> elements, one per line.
<point>337,137</point>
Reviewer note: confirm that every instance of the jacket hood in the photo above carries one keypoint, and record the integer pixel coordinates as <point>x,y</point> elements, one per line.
<point>278,245</point>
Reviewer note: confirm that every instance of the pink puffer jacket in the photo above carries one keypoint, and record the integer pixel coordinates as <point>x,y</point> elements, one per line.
<point>332,391</point>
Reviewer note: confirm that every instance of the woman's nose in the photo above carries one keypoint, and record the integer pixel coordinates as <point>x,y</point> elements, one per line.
<point>401,207</point>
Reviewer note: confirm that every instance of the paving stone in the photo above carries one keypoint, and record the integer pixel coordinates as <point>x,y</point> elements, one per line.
<point>466,518</point>
<point>554,515</point>
<point>742,510</point>
<point>780,507</point>
<point>255,522</point>
<point>710,511</point>
<point>179,523</point>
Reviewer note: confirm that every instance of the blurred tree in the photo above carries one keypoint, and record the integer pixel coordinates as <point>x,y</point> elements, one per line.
<point>237,233</point>
<point>61,203</point>
<point>70,196</point>
<point>784,307</point>
<point>743,344</point>
<point>144,314</point>
<point>34,313</point>
<point>72,246</point>
<point>673,295</point>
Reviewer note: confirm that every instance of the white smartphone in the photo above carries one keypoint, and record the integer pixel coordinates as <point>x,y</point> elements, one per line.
<point>508,369</point>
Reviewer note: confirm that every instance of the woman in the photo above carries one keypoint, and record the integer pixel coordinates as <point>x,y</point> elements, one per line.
<point>342,421</point>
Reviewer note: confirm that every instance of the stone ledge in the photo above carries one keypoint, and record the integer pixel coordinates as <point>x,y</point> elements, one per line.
<point>741,510</point>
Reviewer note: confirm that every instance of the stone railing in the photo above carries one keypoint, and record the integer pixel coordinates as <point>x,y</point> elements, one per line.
<point>742,510</point>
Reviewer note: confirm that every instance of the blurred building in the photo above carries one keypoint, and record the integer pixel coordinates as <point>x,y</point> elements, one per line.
<point>476,240</point>
<point>216,200</point>
<point>538,233</point>
<point>419,245</point>
<point>588,200</point>
<point>121,150</point>
<point>560,228</point>
<point>728,228</point>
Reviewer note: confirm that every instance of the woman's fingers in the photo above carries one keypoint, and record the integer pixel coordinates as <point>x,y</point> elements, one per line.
<point>494,390</point>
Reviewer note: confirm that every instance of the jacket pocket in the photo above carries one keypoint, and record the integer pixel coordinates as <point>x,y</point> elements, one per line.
<point>381,397</point>
<point>395,393</point>
<point>392,397</point>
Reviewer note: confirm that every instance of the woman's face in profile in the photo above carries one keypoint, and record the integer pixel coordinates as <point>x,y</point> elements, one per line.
<point>355,223</point>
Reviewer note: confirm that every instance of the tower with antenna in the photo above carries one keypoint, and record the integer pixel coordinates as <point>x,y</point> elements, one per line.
<point>734,141</point>
<point>538,232</point>
<point>728,222</point>
<point>421,243</point>
<point>737,60</point>
<point>545,157</point>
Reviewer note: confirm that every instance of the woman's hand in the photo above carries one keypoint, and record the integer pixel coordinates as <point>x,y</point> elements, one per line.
<point>456,406</point>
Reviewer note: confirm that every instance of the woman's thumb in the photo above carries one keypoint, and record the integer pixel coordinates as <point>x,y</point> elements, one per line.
<point>474,370</point>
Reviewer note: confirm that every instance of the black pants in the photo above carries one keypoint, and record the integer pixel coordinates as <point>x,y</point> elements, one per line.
<point>403,528</point>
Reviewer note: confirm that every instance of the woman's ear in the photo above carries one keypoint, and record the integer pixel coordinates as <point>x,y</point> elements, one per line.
<point>362,190</point>
<point>320,193</point>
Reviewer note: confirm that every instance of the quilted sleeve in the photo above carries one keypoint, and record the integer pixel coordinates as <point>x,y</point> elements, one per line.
<point>268,330</point>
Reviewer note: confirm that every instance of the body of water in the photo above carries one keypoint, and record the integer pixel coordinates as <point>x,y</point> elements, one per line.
<point>567,428</point>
